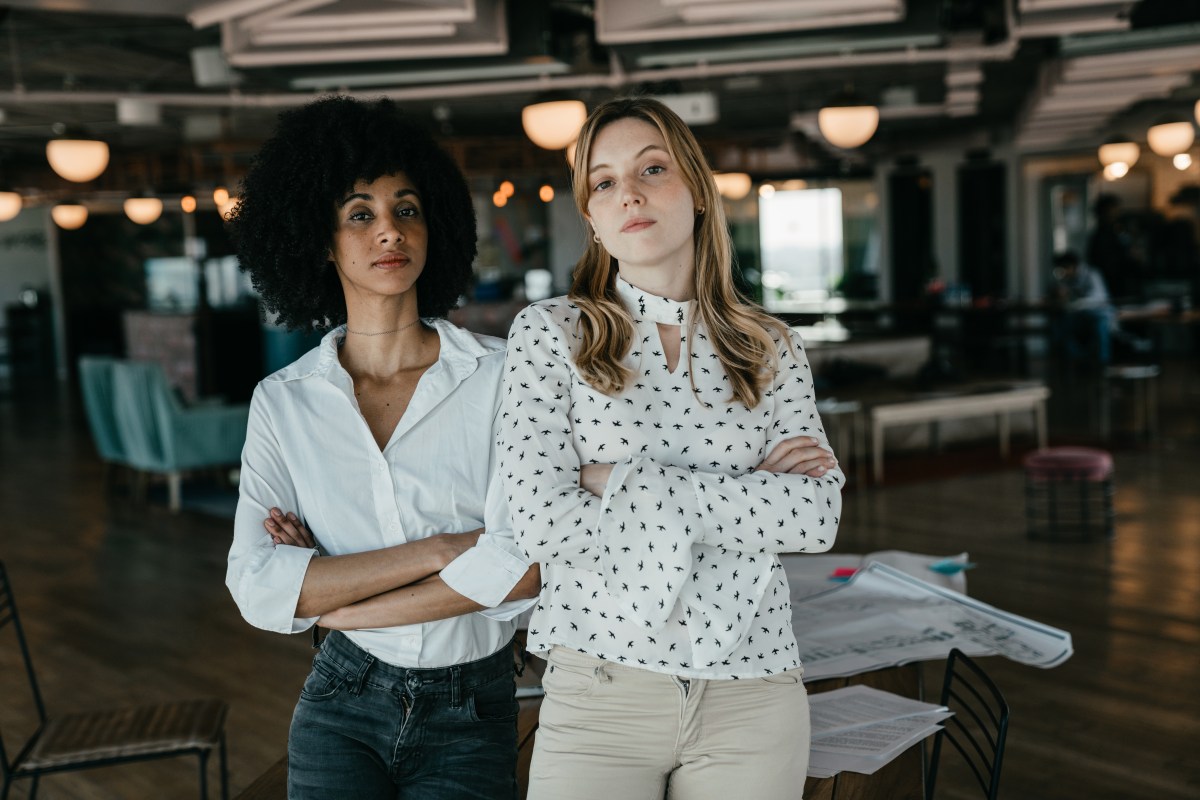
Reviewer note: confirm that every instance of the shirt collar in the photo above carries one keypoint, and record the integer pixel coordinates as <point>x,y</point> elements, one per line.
<point>645,306</point>
<point>459,353</point>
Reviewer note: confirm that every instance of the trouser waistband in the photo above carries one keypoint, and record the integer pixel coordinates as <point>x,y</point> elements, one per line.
<point>360,667</point>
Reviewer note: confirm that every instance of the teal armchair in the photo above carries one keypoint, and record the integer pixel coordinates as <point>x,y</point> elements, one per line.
<point>96,383</point>
<point>159,434</point>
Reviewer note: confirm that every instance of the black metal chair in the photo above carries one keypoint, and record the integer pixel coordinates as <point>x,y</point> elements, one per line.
<point>979,725</point>
<point>95,739</point>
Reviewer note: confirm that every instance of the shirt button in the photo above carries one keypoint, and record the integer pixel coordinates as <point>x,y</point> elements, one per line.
<point>395,527</point>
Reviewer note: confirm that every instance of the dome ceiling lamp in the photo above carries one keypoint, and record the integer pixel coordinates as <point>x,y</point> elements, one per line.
<point>143,210</point>
<point>1171,137</point>
<point>76,158</point>
<point>69,216</point>
<point>733,185</point>
<point>847,121</point>
<point>553,124</point>
<point>1120,150</point>
<point>11,203</point>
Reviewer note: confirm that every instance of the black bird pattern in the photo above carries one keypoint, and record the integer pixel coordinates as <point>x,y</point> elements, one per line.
<point>677,562</point>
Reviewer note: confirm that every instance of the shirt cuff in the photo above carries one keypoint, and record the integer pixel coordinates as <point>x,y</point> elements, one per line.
<point>270,594</point>
<point>488,571</point>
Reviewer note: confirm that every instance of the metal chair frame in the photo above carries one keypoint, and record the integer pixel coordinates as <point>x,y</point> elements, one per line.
<point>17,768</point>
<point>979,727</point>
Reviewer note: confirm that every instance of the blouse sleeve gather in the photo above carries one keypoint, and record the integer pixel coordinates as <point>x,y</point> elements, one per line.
<point>553,517</point>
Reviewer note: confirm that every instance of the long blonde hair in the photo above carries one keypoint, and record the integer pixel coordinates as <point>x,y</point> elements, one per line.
<point>739,330</point>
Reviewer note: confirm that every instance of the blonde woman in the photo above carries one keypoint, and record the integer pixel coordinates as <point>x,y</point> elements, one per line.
<point>660,444</point>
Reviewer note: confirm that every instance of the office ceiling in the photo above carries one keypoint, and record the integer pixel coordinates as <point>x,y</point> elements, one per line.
<point>185,89</point>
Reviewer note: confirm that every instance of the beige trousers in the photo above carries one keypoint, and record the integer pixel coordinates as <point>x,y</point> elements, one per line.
<point>612,731</point>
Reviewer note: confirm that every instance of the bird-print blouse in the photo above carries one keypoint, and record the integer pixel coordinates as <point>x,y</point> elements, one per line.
<point>674,569</point>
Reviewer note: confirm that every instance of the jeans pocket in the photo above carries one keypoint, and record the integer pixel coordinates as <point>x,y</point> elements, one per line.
<point>790,678</point>
<point>495,701</point>
<point>323,683</point>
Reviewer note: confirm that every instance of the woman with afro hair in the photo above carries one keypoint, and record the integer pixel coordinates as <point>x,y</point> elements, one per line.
<point>368,499</point>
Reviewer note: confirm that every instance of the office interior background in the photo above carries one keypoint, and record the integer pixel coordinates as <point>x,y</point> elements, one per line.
<point>898,177</point>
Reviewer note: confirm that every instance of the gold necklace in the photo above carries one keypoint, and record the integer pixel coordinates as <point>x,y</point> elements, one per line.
<point>384,333</point>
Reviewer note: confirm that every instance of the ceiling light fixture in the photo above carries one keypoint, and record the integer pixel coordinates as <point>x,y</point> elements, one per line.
<point>546,193</point>
<point>1119,150</point>
<point>1182,161</point>
<point>78,160</point>
<point>847,122</point>
<point>143,210</point>
<point>733,185</point>
<point>69,216</point>
<point>1171,137</point>
<point>10,205</point>
<point>554,124</point>
<point>1116,170</point>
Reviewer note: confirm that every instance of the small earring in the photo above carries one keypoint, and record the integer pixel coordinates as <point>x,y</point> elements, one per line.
<point>700,210</point>
<point>596,238</point>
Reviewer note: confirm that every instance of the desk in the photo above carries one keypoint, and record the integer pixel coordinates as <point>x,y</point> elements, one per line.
<point>934,409</point>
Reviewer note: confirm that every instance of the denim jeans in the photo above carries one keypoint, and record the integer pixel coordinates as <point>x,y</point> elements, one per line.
<point>366,729</point>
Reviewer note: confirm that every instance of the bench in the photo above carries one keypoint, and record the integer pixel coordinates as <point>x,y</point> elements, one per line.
<point>933,410</point>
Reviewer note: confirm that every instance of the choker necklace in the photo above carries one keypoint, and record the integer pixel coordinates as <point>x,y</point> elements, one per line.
<point>384,333</point>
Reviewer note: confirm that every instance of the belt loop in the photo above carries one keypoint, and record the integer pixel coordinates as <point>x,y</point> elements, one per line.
<point>356,683</point>
<point>602,673</point>
<point>455,686</point>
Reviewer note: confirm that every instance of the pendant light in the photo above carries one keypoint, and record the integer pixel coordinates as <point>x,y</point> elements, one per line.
<point>733,185</point>
<point>77,158</point>
<point>1171,137</point>
<point>553,124</point>
<point>1115,150</point>
<point>847,121</point>
<point>69,216</point>
<point>143,210</point>
<point>10,205</point>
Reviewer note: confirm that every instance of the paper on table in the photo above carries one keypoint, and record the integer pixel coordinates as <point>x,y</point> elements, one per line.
<point>859,729</point>
<point>855,706</point>
<point>884,617</point>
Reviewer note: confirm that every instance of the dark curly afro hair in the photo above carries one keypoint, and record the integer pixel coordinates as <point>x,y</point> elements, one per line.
<point>283,224</point>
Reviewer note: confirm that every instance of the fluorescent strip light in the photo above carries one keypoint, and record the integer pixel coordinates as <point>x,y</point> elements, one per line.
<point>496,71</point>
<point>721,14</point>
<point>818,10</point>
<point>792,49</point>
<point>964,77</point>
<point>1062,5</point>
<point>288,9</point>
<point>369,18</point>
<point>1068,26</point>
<point>213,13</point>
<point>272,37</point>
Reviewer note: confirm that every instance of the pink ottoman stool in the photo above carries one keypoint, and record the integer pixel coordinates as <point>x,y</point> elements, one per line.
<point>1069,493</point>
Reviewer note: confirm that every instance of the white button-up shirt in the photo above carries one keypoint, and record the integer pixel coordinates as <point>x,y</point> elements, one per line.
<point>309,450</point>
<point>674,569</point>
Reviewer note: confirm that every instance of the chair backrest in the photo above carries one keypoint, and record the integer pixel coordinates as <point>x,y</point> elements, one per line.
<point>96,383</point>
<point>143,407</point>
<point>978,728</point>
<point>8,616</point>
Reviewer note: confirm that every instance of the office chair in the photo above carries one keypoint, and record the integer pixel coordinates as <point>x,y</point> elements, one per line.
<point>94,739</point>
<point>979,725</point>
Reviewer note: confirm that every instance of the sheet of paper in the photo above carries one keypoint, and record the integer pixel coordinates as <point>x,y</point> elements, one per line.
<point>855,706</point>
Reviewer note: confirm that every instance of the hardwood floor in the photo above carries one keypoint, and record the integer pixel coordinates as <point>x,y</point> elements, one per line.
<point>123,601</point>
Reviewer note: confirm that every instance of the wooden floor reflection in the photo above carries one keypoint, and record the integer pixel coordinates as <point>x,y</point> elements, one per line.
<point>125,601</point>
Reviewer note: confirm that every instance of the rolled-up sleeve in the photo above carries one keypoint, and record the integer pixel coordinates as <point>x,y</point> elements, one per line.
<point>265,579</point>
<point>488,571</point>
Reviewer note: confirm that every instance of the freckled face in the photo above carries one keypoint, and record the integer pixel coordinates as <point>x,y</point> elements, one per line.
<point>639,204</point>
<point>380,237</point>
